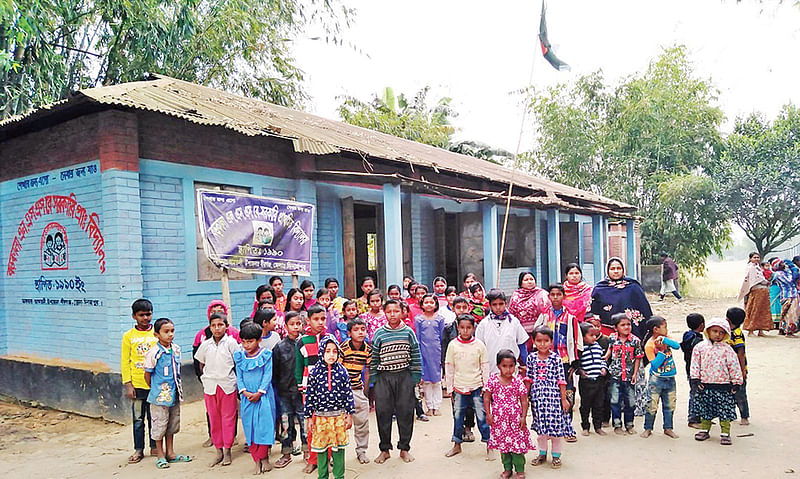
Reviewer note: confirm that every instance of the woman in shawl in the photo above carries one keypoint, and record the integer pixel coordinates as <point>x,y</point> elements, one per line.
<point>528,302</point>
<point>618,293</point>
<point>577,293</point>
<point>755,292</point>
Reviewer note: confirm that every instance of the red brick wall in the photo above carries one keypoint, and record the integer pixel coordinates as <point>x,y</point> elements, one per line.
<point>65,144</point>
<point>171,139</point>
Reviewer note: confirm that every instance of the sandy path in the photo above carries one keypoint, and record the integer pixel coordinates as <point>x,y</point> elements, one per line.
<point>44,444</point>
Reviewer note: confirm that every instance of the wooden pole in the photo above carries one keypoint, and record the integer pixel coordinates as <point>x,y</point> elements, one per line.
<point>515,164</point>
<point>226,288</point>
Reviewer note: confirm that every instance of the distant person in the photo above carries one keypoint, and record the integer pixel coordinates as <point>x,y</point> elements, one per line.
<point>755,293</point>
<point>669,274</point>
<point>785,275</point>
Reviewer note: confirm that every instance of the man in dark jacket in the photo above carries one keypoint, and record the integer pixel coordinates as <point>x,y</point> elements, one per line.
<point>669,274</point>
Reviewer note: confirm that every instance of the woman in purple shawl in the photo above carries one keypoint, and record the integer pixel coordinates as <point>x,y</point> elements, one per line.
<point>621,294</point>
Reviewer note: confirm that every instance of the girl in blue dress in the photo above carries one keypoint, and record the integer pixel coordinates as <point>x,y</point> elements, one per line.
<point>254,381</point>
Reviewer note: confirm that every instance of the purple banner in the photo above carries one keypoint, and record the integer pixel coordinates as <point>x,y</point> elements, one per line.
<point>253,234</point>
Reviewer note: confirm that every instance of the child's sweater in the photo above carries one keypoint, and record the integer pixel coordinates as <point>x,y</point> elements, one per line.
<point>690,340</point>
<point>135,345</point>
<point>395,350</point>
<point>661,362</point>
<point>355,361</point>
<point>329,392</point>
<point>466,365</point>
<point>592,362</point>
<point>306,357</point>
<point>284,358</point>
<point>715,364</point>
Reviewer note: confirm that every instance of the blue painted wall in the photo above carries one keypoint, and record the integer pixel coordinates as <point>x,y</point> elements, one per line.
<point>57,329</point>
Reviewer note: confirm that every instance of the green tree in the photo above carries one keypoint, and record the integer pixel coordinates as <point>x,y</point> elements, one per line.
<point>638,141</point>
<point>411,119</point>
<point>51,47</point>
<point>759,174</point>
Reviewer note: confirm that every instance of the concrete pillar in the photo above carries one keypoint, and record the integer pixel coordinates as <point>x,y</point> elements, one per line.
<point>393,233</point>
<point>597,247</point>
<point>554,245</point>
<point>490,245</point>
<point>630,235</point>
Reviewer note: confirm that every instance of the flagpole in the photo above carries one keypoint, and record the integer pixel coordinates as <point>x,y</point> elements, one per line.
<point>514,166</point>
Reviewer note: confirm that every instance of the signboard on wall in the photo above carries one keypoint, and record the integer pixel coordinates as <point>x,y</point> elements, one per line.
<point>255,234</point>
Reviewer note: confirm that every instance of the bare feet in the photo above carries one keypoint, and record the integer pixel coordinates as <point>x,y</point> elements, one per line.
<point>456,449</point>
<point>519,475</point>
<point>226,457</point>
<point>670,433</point>
<point>309,468</point>
<point>257,470</point>
<point>761,334</point>
<point>136,457</point>
<point>585,432</point>
<point>744,422</point>
<point>619,430</point>
<point>406,456</point>
<point>505,475</point>
<point>491,454</point>
<point>647,433</point>
<point>382,457</point>
<point>437,412</point>
<point>208,443</point>
<point>217,458</point>
<point>630,431</point>
<point>600,432</point>
<point>695,425</point>
<point>265,465</point>
<point>362,458</point>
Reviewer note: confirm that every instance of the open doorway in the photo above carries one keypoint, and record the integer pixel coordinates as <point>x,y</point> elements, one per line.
<point>368,242</point>
<point>447,246</point>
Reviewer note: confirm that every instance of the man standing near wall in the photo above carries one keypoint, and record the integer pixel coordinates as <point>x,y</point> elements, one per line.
<point>669,274</point>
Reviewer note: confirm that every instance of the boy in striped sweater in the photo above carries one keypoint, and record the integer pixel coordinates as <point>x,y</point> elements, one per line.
<point>396,366</point>
<point>592,383</point>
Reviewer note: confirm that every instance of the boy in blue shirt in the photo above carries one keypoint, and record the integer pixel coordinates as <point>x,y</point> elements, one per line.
<point>162,372</point>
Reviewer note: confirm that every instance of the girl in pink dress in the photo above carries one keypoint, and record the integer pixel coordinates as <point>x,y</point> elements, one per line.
<point>506,400</point>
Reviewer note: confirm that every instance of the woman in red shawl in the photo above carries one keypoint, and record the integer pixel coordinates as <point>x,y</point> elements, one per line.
<point>577,293</point>
<point>528,302</point>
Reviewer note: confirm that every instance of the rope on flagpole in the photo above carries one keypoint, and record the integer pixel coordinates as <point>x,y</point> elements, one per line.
<point>515,165</point>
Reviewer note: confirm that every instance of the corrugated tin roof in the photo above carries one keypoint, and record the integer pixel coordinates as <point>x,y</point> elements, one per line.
<point>309,133</point>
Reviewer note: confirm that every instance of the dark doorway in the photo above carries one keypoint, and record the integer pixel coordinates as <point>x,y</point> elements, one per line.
<point>368,243</point>
<point>446,229</point>
<point>570,245</point>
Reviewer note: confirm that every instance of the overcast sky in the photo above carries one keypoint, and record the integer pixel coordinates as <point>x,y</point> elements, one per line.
<point>479,52</point>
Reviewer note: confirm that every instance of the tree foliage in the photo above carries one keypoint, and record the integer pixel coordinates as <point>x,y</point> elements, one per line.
<point>639,141</point>
<point>51,47</point>
<point>412,119</point>
<point>759,176</point>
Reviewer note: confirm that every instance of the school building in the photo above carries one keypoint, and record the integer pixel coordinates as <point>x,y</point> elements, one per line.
<point>97,209</point>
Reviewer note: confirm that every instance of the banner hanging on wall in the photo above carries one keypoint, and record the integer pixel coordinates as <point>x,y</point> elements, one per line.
<point>254,234</point>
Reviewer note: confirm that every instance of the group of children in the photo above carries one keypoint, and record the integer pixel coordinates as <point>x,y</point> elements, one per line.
<point>320,363</point>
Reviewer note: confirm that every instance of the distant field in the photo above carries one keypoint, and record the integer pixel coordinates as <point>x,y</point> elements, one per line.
<point>722,280</point>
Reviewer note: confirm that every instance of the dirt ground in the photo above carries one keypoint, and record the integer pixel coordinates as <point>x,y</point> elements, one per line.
<point>49,444</point>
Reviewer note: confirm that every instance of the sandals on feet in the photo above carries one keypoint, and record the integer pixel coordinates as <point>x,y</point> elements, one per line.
<point>162,463</point>
<point>283,461</point>
<point>136,457</point>
<point>702,436</point>
<point>556,462</point>
<point>725,440</point>
<point>539,459</point>
<point>180,458</point>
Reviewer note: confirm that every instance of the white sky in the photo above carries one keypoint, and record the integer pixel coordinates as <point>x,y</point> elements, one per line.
<point>478,52</point>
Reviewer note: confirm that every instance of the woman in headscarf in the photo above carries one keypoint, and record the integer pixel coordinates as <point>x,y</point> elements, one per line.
<point>618,293</point>
<point>528,301</point>
<point>785,276</point>
<point>577,293</point>
<point>755,292</point>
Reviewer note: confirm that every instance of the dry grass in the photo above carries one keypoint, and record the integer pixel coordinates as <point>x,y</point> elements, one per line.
<point>722,280</point>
